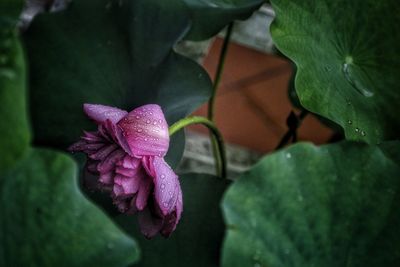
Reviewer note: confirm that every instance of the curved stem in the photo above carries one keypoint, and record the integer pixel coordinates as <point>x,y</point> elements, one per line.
<point>220,152</point>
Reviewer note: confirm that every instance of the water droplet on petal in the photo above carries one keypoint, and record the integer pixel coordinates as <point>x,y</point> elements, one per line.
<point>162,186</point>
<point>137,117</point>
<point>162,176</point>
<point>148,121</point>
<point>146,139</point>
<point>166,204</point>
<point>139,130</point>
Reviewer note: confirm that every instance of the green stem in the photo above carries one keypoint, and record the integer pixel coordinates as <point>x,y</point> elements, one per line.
<point>211,102</point>
<point>220,152</point>
<point>220,68</point>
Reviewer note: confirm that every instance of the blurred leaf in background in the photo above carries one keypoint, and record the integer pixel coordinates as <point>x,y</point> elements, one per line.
<point>46,221</point>
<point>334,205</point>
<point>14,130</point>
<point>10,10</point>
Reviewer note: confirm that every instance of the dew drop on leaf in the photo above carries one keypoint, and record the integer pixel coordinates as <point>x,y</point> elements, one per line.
<point>348,71</point>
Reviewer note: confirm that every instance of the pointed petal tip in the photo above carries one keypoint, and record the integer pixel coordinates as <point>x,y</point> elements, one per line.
<point>101,113</point>
<point>166,186</point>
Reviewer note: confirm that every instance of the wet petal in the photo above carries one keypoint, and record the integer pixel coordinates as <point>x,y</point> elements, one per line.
<point>166,186</point>
<point>144,192</point>
<point>179,205</point>
<point>103,153</point>
<point>173,218</point>
<point>169,225</point>
<point>128,166</point>
<point>147,162</point>
<point>101,113</point>
<point>92,137</point>
<point>125,186</point>
<point>106,178</point>
<point>126,172</point>
<point>109,162</point>
<point>149,224</point>
<point>146,131</point>
<point>129,162</point>
<point>84,146</point>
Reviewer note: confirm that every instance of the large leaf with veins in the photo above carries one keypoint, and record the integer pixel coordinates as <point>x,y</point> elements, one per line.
<point>334,205</point>
<point>46,221</point>
<point>347,60</point>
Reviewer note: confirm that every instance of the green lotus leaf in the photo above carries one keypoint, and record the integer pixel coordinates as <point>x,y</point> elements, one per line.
<point>347,59</point>
<point>210,16</point>
<point>334,205</point>
<point>46,221</point>
<point>14,130</point>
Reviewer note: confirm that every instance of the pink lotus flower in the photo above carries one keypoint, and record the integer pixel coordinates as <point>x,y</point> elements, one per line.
<point>126,152</point>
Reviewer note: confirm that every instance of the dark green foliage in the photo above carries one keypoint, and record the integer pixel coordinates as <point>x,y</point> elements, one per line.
<point>334,205</point>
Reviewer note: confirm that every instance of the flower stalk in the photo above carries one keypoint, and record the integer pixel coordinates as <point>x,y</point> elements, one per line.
<point>220,148</point>
<point>211,103</point>
<point>220,68</point>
